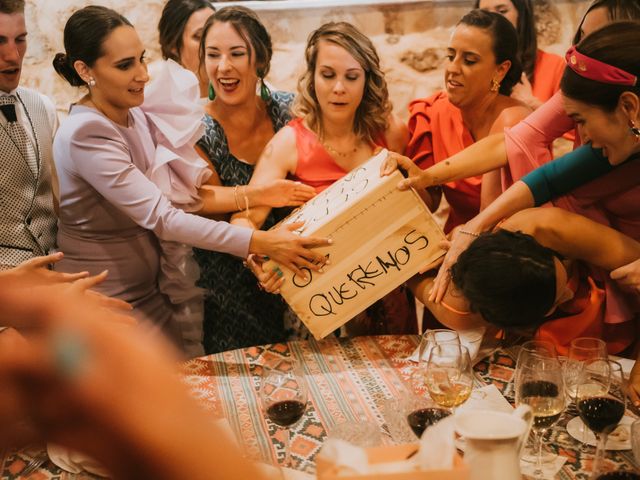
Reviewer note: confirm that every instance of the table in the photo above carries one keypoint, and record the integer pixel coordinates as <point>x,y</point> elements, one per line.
<point>348,379</point>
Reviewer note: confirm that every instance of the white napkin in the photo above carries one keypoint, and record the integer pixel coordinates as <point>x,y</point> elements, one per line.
<point>486,398</point>
<point>472,339</point>
<point>74,462</point>
<point>437,446</point>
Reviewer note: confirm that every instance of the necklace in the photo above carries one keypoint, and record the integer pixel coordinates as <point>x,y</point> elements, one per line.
<point>333,151</point>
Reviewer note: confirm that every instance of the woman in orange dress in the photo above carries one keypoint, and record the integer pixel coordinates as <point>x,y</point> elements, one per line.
<point>542,71</point>
<point>482,69</point>
<point>343,115</point>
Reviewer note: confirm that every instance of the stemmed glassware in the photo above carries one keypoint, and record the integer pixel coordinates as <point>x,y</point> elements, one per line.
<point>422,413</point>
<point>582,351</point>
<point>429,339</point>
<point>283,394</point>
<point>601,402</point>
<point>449,375</point>
<point>539,384</point>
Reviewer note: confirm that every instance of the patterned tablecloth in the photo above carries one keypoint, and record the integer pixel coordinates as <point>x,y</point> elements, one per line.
<point>349,380</point>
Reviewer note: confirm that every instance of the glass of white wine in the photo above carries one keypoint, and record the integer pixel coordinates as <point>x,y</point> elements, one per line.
<point>449,375</point>
<point>541,386</point>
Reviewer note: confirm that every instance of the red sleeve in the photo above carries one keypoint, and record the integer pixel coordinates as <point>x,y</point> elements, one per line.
<point>420,146</point>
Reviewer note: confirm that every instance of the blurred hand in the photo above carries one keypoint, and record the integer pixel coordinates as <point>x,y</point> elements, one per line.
<point>523,91</point>
<point>628,276</point>
<point>286,193</point>
<point>35,271</point>
<point>633,387</point>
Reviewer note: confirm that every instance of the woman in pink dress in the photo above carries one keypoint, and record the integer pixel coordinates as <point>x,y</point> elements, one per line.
<point>111,214</point>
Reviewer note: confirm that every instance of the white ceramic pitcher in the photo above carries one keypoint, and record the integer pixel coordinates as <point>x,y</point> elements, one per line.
<point>493,442</point>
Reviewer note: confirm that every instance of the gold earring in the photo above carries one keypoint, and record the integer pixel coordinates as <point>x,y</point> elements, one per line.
<point>495,85</point>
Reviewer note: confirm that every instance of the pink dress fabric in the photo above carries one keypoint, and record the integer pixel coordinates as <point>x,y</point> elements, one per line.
<point>610,200</point>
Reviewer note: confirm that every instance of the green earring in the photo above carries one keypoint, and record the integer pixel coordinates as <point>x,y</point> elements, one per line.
<point>212,92</point>
<point>265,93</point>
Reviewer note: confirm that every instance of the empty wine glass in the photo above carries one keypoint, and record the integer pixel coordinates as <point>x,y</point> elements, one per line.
<point>541,386</point>
<point>601,403</point>
<point>449,375</point>
<point>431,338</point>
<point>283,394</point>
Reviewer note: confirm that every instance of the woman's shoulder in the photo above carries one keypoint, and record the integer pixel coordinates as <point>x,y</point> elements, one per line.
<point>438,99</point>
<point>510,112</point>
<point>280,108</point>
<point>85,121</point>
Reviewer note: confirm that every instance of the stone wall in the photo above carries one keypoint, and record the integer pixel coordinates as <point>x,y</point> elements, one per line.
<point>411,38</point>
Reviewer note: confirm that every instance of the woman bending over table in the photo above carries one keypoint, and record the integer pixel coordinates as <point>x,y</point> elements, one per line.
<point>482,69</point>
<point>343,115</point>
<point>542,70</point>
<point>111,215</point>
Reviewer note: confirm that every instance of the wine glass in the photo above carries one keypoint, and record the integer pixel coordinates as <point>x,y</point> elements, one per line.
<point>533,349</point>
<point>601,403</point>
<point>449,375</point>
<point>582,350</point>
<point>421,413</point>
<point>283,393</point>
<point>429,339</point>
<point>439,336</point>
<point>540,385</point>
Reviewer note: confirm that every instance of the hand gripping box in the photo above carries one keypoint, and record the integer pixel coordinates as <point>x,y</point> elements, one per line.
<point>381,237</point>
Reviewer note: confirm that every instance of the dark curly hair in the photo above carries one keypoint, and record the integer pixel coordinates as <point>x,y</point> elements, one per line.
<point>508,278</point>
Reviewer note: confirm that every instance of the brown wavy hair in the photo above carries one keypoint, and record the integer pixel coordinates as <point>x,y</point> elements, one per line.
<point>373,112</point>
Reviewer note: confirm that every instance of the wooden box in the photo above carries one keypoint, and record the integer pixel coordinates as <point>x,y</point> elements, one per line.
<point>381,237</point>
<point>328,471</point>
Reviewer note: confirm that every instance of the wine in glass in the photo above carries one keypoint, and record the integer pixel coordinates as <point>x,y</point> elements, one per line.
<point>422,413</point>
<point>449,375</point>
<point>541,386</point>
<point>283,394</point>
<point>582,351</point>
<point>601,403</point>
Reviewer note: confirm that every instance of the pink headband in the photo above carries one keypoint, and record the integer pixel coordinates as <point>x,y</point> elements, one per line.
<point>598,71</point>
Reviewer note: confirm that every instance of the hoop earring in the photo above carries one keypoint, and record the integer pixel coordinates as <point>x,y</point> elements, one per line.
<point>212,92</point>
<point>265,93</point>
<point>495,85</point>
<point>635,131</point>
<point>91,82</point>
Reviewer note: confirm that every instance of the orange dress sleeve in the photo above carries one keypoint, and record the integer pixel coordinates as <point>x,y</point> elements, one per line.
<point>547,75</point>
<point>436,132</point>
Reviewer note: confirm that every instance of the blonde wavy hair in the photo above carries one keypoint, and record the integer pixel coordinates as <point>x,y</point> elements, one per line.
<point>373,112</point>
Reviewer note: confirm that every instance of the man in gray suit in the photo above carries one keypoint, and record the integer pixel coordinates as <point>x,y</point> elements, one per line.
<point>27,124</point>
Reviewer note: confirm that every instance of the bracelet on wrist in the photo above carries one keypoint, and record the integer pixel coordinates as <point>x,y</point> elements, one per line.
<point>467,232</point>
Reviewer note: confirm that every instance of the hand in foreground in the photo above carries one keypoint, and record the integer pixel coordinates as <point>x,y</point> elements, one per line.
<point>458,243</point>
<point>628,276</point>
<point>106,391</point>
<point>417,178</point>
<point>35,271</point>
<point>286,193</point>
<point>290,249</point>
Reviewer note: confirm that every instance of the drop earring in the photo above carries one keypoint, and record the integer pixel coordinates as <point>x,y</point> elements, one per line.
<point>495,85</point>
<point>265,93</point>
<point>212,92</point>
<point>91,82</point>
<point>635,131</point>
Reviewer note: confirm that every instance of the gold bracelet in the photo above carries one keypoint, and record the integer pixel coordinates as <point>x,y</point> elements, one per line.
<point>466,232</point>
<point>235,197</point>
<point>246,201</point>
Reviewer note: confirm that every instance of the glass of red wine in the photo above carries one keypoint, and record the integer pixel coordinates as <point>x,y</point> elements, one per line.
<point>541,387</point>
<point>283,393</point>
<point>420,413</point>
<point>601,402</point>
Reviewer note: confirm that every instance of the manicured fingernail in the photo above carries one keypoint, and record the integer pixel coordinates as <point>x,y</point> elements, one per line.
<point>321,270</point>
<point>327,262</point>
<point>330,241</point>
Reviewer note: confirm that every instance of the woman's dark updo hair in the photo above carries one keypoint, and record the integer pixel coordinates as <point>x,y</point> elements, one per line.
<point>617,44</point>
<point>174,18</point>
<point>508,278</point>
<point>527,35</point>
<point>84,34</point>
<point>247,24</point>
<point>505,43</point>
